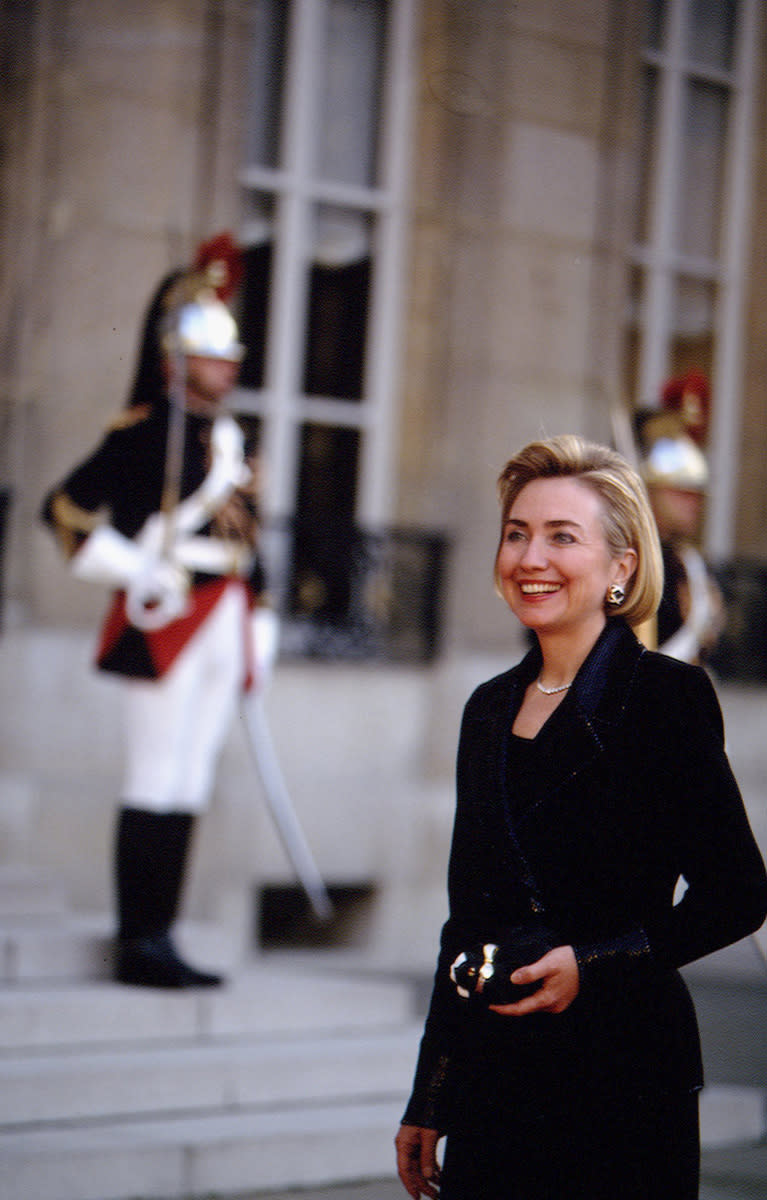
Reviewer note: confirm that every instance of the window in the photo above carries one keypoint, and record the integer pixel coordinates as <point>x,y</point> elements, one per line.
<point>323,186</point>
<point>689,257</point>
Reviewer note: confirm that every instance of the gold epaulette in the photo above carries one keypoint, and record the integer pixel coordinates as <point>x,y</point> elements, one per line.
<point>71,523</point>
<point>127,417</point>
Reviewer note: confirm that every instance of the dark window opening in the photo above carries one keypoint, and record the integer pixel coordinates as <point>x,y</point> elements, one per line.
<point>254,310</point>
<point>335,346</point>
<point>285,917</point>
<point>324,522</point>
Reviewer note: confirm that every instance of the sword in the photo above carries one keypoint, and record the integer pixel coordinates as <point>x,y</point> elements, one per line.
<point>283,813</point>
<point>174,450</point>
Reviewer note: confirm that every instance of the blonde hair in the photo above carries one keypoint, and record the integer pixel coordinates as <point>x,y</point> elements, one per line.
<point>627,517</point>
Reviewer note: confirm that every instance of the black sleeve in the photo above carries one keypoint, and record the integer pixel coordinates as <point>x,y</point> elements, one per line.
<point>713,846</point>
<point>726,896</point>
<point>121,481</point>
<point>74,507</point>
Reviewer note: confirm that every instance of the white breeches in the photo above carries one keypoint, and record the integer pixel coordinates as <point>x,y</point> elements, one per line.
<point>175,726</point>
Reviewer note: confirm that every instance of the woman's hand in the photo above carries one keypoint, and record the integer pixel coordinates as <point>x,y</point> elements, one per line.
<point>417,1160</point>
<point>561,983</point>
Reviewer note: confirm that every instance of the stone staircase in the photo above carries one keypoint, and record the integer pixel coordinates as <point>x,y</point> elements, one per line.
<point>294,1074</point>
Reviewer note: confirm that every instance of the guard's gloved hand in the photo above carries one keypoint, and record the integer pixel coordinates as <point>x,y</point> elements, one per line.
<point>265,644</point>
<point>156,589</point>
<point>157,596</point>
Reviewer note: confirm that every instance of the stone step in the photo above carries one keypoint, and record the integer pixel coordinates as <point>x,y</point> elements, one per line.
<point>204,1155</point>
<point>263,1000</point>
<point>227,1153</point>
<point>69,1086</point>
<point>25,893</point>
<point>54,947</point>
<point>736,1173</point>
<point>731,1115</point>
<point>269,1073</point>
<point>48,949</point>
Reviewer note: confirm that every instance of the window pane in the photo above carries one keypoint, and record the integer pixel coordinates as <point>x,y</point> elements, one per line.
<point>692,331</point>
<point>324,524</point>
<point>266,63</point>
<point>348,112</point>
<point>711,32</point>
<point>339,290</point>
<point>257,239</point>
<point>654,24</point>
<point>701,171</point>
<point>647,152</point>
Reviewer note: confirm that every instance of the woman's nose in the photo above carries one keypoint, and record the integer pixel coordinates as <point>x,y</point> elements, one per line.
<point>534,555</point>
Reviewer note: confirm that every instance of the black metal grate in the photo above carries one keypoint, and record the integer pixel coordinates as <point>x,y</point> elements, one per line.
<point>741,652</point>
<point>357,595</point>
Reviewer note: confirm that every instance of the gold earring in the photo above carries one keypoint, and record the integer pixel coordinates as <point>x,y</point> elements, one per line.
<point>615,595</point>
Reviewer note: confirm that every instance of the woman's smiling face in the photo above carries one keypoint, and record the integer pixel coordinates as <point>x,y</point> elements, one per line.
<point>554,565</point>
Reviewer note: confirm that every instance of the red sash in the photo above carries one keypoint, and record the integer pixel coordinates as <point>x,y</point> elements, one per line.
<point>147,654</point>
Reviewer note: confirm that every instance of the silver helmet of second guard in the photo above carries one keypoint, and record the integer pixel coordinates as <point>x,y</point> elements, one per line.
<point>675,462</point>
<point>204,328</point>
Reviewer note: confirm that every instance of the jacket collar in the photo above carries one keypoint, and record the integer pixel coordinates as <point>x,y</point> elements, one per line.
<point>603,683</point>
<point>595,703</point>
<point>600,686</point>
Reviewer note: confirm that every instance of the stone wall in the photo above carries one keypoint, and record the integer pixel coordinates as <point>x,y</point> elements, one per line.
<point>751,532</point>
<point>521,204</point>
<point>114,115</point>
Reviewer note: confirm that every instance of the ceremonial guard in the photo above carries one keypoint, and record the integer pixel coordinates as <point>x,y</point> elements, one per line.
<point>164,511</point>
<point>690,618</point>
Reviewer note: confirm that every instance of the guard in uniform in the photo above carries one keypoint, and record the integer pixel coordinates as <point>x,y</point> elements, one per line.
<point>164,512</point>
<point>690,617</point>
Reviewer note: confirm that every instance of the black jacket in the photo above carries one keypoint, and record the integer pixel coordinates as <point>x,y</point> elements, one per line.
<point>632,790</point>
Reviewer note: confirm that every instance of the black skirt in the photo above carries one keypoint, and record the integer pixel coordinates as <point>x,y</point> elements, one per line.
<point>571,1147</point>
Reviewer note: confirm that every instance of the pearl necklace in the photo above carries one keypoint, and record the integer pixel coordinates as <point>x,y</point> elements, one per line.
<point>552,691</point>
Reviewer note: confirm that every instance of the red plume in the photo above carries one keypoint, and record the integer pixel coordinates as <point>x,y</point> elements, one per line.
<point>690,396</point>
<point>220,261</point>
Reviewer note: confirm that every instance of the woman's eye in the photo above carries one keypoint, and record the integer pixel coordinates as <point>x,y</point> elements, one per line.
<point>563,538</point>
<point>514,535</point>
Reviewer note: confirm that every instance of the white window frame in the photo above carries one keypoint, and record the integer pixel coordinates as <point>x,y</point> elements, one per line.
<point>296,191</point>
<point>661,264</point>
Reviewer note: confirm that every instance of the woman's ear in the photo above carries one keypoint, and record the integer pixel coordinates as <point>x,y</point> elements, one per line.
<point>626,567</point>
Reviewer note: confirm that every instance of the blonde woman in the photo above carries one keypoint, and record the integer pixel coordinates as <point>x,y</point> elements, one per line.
<point>561,1054</point>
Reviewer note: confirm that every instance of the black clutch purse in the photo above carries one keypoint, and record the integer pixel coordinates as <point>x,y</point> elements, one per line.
<point>482,974</point>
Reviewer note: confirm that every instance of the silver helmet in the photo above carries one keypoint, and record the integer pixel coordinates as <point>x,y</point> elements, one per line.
<point>204,328</point>
<point>675,462</point>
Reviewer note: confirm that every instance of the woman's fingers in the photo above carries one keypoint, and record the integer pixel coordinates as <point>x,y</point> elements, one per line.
<point>560,985</point>
<point>417,1161</point>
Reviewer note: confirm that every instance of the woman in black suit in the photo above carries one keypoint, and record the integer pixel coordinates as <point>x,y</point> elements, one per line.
<point>600,843</point>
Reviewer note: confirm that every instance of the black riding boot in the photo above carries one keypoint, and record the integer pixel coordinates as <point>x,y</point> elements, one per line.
<point>150,856</point>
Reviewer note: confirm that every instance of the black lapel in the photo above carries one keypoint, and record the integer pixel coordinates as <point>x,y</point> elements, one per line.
<point>574,735</point>
<point>602,686</point>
